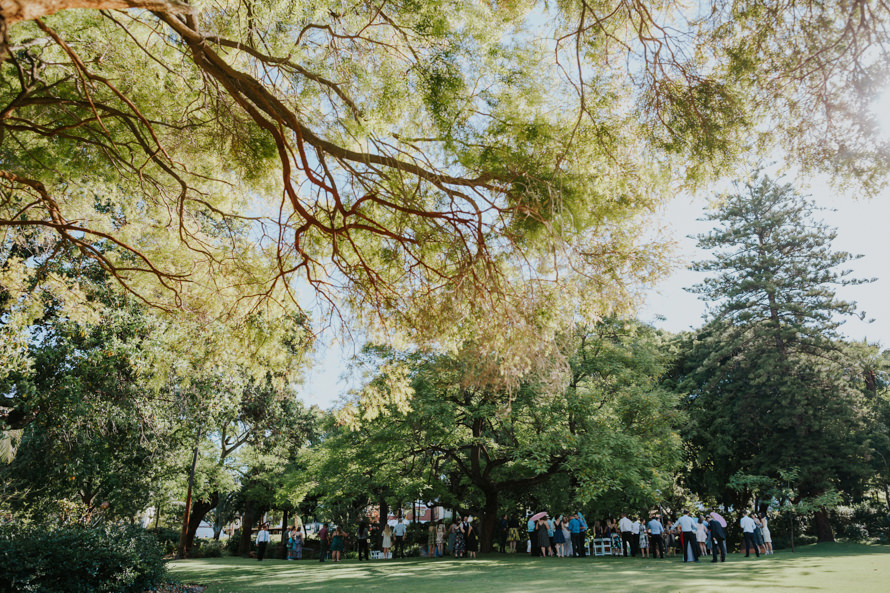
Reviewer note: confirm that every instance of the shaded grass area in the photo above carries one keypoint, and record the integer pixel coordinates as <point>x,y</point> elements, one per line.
<point>831,568</point>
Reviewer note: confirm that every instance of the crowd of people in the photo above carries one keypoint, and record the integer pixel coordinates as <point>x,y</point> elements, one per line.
<point>691,537</point>
<point>562,536</point>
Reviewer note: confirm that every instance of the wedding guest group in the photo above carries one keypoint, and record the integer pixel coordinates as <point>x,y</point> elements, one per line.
<point>562,536</point>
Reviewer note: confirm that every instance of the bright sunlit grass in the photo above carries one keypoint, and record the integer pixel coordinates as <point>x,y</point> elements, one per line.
<point>828,568</point>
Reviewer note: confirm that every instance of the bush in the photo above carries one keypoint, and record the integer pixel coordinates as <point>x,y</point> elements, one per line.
<point>167,538</point>
<point>207,548</point>
<point>864,522</point>
<point>76,559</point>
<point>231,545</point>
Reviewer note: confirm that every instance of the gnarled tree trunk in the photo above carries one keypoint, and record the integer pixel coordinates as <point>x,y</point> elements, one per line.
<point>200,508</point>
<point>489,520</point>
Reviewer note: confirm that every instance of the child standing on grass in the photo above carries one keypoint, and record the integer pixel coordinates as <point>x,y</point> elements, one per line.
<point>440,539</point>
<point>644,543</point>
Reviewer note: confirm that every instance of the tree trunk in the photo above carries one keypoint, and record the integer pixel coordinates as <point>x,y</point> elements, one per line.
<point>200,508</point>
<point>489,520</point>
<point>283,545</point>
<point>247,521</point>
<point>384,513</point>
<point>184,547</point>
<point>824,532</point>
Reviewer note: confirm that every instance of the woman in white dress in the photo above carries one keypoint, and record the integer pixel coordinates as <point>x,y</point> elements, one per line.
<point>767,538</point>
<point>387,541</point>
<point>701,535</point>
<point>567,536</point>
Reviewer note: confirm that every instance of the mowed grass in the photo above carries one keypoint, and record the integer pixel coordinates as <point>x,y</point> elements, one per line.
<point>832,568</point>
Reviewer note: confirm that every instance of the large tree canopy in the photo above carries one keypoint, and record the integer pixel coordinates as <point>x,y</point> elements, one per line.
<point>417,162</point>
<point>466,444</point>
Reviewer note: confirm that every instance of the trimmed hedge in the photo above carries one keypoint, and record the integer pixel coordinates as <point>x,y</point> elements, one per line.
<point>76,559</point>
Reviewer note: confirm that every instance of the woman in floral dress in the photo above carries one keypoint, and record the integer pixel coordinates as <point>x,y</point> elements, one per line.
<point>460,542</point>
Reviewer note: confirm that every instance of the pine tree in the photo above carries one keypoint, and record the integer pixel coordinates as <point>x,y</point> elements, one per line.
<point>768,396</point>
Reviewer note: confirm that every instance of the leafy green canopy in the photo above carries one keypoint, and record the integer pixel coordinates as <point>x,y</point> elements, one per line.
<point>769,392</point>
<point>418,163</point>
<point>609,429</point>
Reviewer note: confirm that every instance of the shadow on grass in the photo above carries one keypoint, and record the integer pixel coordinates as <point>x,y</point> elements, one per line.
<point>812,568</point>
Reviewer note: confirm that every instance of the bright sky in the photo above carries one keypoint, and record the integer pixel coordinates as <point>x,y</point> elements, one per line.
<point>863,228</point>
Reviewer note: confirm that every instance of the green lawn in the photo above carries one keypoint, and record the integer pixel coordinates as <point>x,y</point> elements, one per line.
<point>832,568</point>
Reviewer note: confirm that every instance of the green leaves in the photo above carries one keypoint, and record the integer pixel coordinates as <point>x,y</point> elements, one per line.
<point>764,380</point>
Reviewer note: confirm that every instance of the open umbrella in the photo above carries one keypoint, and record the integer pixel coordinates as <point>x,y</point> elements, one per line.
<point>537,516</point>
<point>719,519</point>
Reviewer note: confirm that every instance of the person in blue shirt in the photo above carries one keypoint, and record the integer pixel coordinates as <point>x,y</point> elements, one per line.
<point>583,532</point>
<point>399,532</point>
<point>531,537</point>
<point>656,541</point>
<point>575,530</point>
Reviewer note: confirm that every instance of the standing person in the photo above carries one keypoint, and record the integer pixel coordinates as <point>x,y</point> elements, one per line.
<point>568,550</point>
<point>767,536</point>
<point>635,529</point>
<point>290,542</point>
<point>452,536</point>
<point>543,540</point>
<point>440,539</point>
<point>656,539</point>
<point>323,542</point>
<point>297,542</point>
<point>262,541</point>
<point>688,542</point>
<point>386,544</point>
<point>626,528</point>
<point>513,534</point>
<point>701,536</point>
<point>338,542</point>
<point>670,538</point>
<point>644,543</point>
<point>583,537</point>
<point>758,533</point>
<point>431,540</point>
<point>551,533</point>
<point>460,539</point>
<point>532,543</point>
<point>575,531</point>
<point>559,538</point>
<point>748,527</point>
<point>718,539</point>
<point>503,528</point>
<point>361,537</point>
<point>399,532</point>
<point>472,538</point>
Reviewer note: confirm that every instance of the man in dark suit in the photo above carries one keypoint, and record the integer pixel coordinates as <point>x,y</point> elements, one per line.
<point>718,540</point>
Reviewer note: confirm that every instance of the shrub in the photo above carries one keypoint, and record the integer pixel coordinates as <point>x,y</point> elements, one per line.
<point>231,545</point>
<point>207,548</point>
<point>168,539</point>
<point>77,559</point>
<point>864,522</point>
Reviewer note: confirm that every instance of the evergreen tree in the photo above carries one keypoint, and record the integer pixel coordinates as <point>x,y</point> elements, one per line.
<point>767,392</point>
